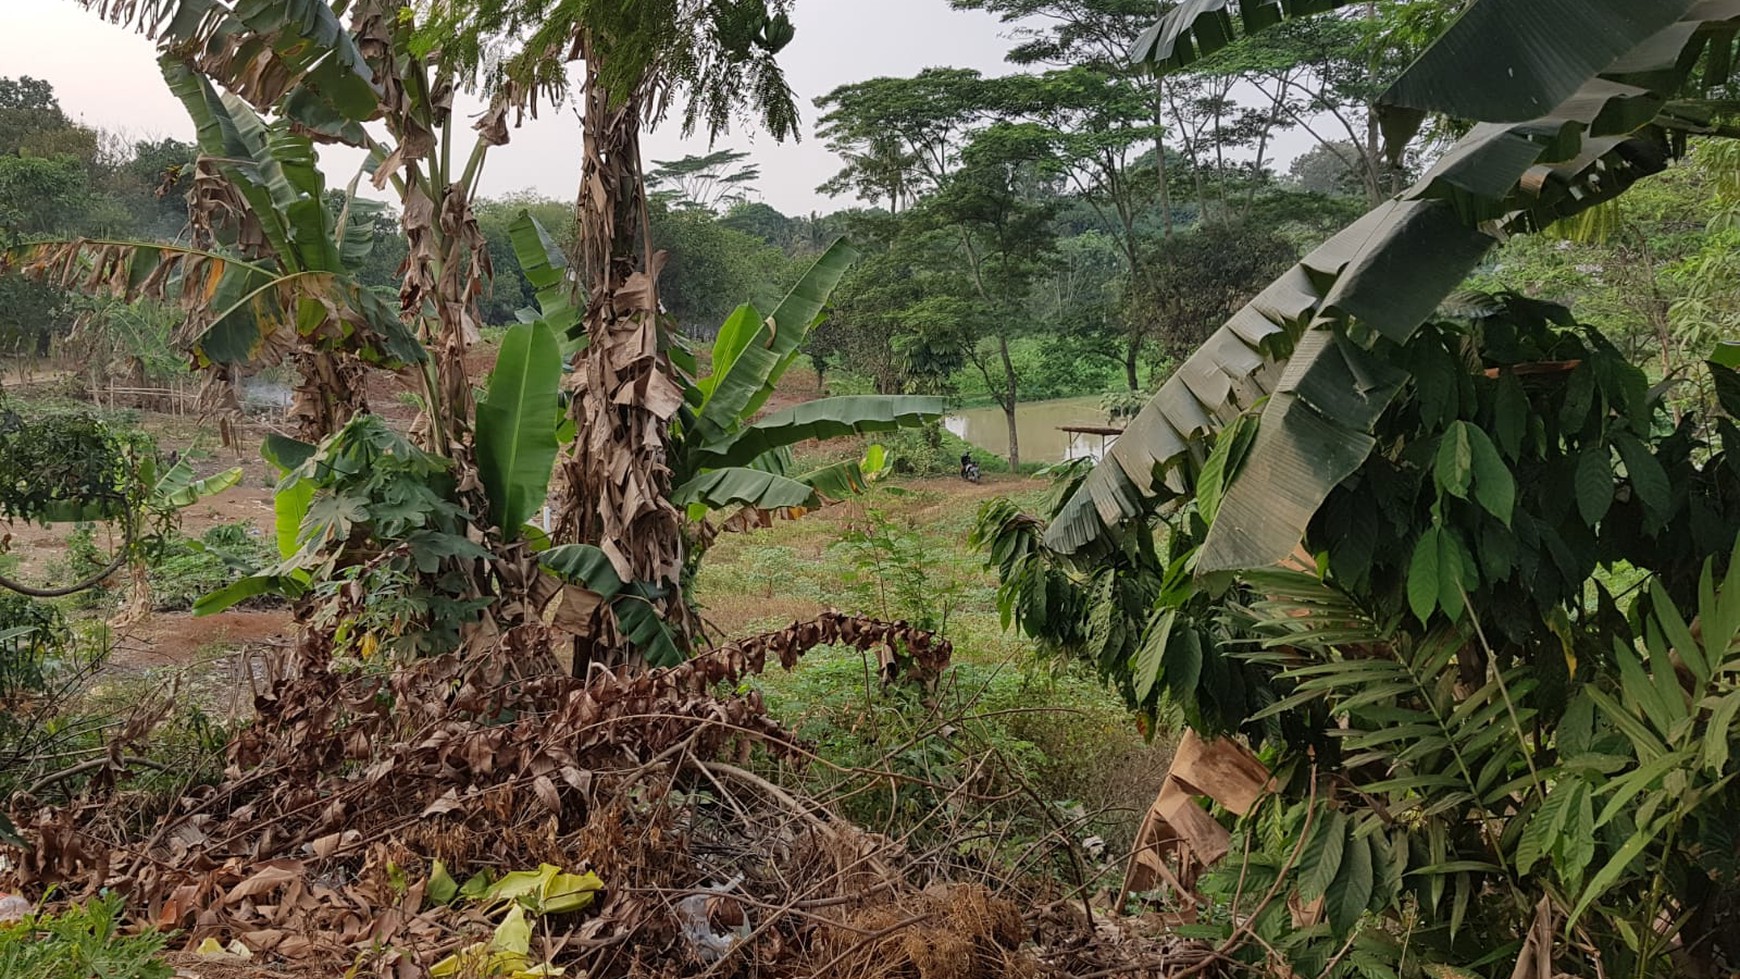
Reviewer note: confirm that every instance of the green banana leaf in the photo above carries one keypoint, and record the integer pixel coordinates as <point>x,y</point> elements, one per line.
<point>516,425</point>
<point>846,479</point>
<point>1506,61</point>
<point>546,268</point>
<point>739,486</point>
<point>587,567</point>
<point>752,353</point>
<point>1382,276</point>
<point>296,55</point>
<point>292,498</point>
<point>283,275</point>
<point>1195,29</point>
<point>178,488</point>
<point>824,418</point>
<point>287,587</point>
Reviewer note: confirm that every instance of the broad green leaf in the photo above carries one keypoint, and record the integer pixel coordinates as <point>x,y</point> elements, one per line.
<point>546,268</point>
<point>1184,661</point>
<point>285,453</point>
<point>177,489</point>
<point>1719,732</point>
<point>1579,397</point>
<point>1457,574</point>
<point>721,488</point>
<point>1727,382</point>
<point>824,418</point>
<point>1594,485</point>
<point>290,506</point>
<point>757,351</point>
<point>583,565</point>
<point>647,631</point>
<point>1542,60</point>
<point>1247,359</point>
<point>1423,575</point>
<point>1191,31</point>
<point>289,587</point>
<point>1494,485</point>
<point>1223,463</point>
<point>1151,655</point>
<point>1679,637</point>
<point>516,425</point>
<point>1455,468</point>
<point>1649,481</point>
<point>442,888</point>
<point>1609,873</point>
<point>1346,898</point>
<point>1320,863</point>
<point>1510,414</point>
<point>1545,823</point>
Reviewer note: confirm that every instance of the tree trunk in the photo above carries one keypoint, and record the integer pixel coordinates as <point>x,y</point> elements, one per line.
<point>618,484</point>
<point>1160,162</point>
<point>1008,400</point>
<point>331,393</point>
<point>1132,359</point>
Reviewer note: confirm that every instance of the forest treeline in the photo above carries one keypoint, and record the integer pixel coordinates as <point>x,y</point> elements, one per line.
<point>1072,227</point>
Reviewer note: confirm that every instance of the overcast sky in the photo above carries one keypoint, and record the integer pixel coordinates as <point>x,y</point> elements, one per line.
<point>106,77</point>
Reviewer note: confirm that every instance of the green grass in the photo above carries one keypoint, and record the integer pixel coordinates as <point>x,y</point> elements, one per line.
<point>901,552</point>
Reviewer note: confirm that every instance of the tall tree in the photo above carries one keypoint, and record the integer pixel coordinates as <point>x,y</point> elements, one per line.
<point>713,59</point>
<point>901,137</point>
<point>708,181</point>
<point>1000,205</point>
<point>1096,35</point>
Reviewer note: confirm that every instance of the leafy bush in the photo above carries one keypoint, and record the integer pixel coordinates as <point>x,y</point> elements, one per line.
<point>31,632</point>
<point>894,573</point>
<point>81,943</point>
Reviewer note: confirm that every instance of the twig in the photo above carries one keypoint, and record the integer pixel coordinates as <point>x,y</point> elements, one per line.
<point>91,766</point>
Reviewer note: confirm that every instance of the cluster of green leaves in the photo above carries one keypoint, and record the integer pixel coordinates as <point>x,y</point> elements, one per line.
<point>367,513</point>
<point>80,942</point>
<point>1136,612</point>
<point>185,569</point>
<point>894,573</point>
<point>31,633</point>
<point>1510,485</point>
<point>63,464</point>
<point>1448,650</point>
<point>1478,794</point>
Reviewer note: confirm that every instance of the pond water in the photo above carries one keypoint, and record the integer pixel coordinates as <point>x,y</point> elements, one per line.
<point>1036,425</point>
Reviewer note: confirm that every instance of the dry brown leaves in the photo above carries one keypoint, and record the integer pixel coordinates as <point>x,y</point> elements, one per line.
<point>318,843</point>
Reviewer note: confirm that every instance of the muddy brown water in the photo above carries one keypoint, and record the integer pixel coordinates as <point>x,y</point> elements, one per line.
<point>1037,426</point>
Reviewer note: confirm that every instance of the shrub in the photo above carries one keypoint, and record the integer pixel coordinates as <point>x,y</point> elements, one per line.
<point>31,633</point>
<point>79,943</point>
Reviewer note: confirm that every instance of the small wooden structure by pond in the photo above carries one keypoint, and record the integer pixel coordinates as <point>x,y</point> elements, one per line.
<point>1078,433</point>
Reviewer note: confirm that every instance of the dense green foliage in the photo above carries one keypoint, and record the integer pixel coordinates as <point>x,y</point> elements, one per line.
<point>80,942</point>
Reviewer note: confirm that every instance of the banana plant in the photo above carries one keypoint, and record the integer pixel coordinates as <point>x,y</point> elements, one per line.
<point>724,455</point>
<point>271,271</point>
<point>1625,82</point>
<point>725,459</point>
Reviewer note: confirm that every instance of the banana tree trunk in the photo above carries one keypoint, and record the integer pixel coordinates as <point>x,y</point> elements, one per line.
<point>618,482</point>
<point>330,393</point>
